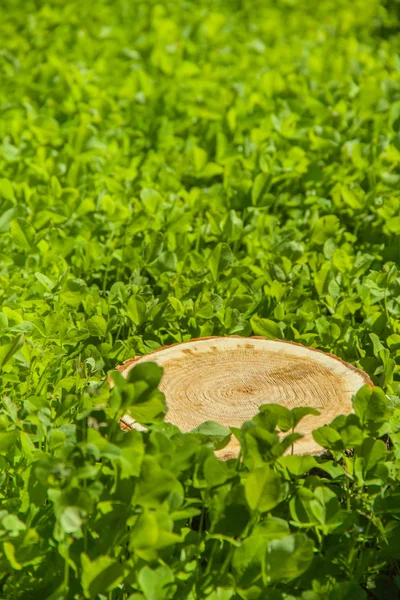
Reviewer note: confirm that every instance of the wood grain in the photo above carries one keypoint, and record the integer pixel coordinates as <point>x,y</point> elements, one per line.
<point>226,379</point>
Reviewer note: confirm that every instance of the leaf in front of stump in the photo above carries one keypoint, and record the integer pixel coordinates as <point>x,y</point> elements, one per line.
<point>300,412</point>
<point>274,415</point>
<point>297,465</point>
<point>216,472</point>
<point>147,371</point>
<point>263,489</point>
<point>258,444</point>
<point>132,452</point>
<point>214,432</point>
<point>328,438</point>
<point>143,401</point>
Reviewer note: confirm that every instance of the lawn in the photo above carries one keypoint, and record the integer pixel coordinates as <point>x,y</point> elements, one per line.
<point>173,170</point>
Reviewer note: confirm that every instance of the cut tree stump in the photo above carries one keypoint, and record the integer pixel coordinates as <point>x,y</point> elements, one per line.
<point>226,379</point>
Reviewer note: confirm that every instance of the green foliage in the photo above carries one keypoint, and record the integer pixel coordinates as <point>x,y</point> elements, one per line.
<point>177,170</point>
<point>153,513</point>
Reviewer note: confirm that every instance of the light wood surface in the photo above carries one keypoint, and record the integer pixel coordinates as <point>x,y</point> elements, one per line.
<point>226,379</point>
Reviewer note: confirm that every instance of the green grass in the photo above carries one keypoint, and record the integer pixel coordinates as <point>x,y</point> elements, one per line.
<point>175,170</point>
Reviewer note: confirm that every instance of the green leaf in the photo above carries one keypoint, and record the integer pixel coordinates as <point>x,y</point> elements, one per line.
<point>56,187</point>
<point>177,171</point>
<point>259,444</point>
<point>216,472</point>
<point>361,400</point>
<point>137,310</point>
<point>325,228</point>
<point>213,431</point>
<point>151,199</point>
<point>263,489</point>
<point>371,405</point>
<point>156,583</point>
<point>248,559</point>
<point>8,350</point>
<point>45,281</point>
<point>233,226</point>
<point>12,524</point>
<point>71,519</point>
<point>101,575</point>
<point>221,258</point>
<point>9,551</point>
<point>322,279</point>
<point>393,225</point>
<point>97,326</point>
<point>75,291</point>
<point>298,413</point>
<point>259,187</point>
<point>23,234</point>
<point>155,484</point>
<point>327,437</point>
<point>274,415</point>
<point>298,465</point>
<point>145,533</point>
<point>143,400</point>
<point>272,528</point>
<point>7,440</point>
<point>373,452</point>
<point>6,189</point>
<point>289,557</point>
<point>5,219</point>
<point>266,328</point>
<point>351,435</point>
<point>148,405</point>
<point>146,371</point>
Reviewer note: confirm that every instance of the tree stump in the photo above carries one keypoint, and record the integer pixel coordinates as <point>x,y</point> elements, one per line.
<point>226,379</point>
